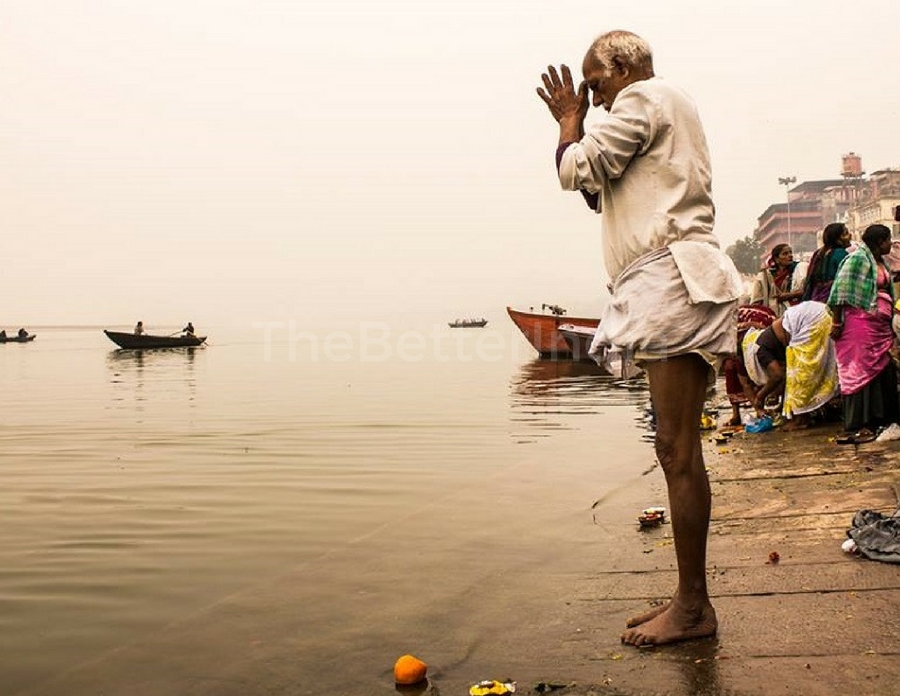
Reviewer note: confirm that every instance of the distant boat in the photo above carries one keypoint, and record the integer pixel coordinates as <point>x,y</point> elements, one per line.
<point>467,323</point>
<point>17,339</point>
<point>139,341</point>
<point>541,330</point>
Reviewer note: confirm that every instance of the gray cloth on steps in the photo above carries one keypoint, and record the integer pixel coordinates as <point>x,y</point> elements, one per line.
<point>877,536</point>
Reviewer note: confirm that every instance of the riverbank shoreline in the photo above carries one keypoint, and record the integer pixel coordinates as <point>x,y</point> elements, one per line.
<point>797,614</point>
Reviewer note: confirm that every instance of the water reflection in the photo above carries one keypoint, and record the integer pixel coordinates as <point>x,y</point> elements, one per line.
<point>547,394</point>
<point>541,370</point>
<point>126,359</point>
<point>139,374</point>
<point>699,667</point>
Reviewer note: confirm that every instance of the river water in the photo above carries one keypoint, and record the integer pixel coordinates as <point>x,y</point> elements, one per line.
<point>143,492</point>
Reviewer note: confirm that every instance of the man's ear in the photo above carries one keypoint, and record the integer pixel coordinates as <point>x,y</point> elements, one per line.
<point>620,65</point>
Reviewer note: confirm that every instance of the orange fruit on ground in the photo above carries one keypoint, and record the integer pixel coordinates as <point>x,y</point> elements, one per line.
<point>409,670</point>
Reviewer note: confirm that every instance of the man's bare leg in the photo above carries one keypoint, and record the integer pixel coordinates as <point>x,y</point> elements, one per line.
<point>678,389</point>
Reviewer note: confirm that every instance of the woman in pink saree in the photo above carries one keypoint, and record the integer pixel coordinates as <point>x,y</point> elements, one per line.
<point>862,300</point>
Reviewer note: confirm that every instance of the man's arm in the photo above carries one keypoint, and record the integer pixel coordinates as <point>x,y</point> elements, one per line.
<point>568,107</point>
<point>774,384</point>
<point>611,145</point>
<point>592,199</point>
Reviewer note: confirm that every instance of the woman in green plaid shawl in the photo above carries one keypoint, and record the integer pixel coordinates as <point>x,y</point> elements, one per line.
<point>862,301</point>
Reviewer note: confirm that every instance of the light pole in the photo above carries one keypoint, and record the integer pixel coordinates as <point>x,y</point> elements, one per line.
<point>786,181</point>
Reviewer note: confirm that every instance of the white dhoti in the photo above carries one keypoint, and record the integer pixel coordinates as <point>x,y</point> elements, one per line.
<point>673,301</point>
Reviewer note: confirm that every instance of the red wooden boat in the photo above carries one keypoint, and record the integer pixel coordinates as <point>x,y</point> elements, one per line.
<point>541,330</point>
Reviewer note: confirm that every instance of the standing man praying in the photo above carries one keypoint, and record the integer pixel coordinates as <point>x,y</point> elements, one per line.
<point>645,166</point>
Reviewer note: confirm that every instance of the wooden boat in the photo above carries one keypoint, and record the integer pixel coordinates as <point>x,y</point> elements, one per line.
<point>541,330</point>
<point>140,341</point>
<point>17,339</point>
<point>578,337</point>
<point>468,323</point>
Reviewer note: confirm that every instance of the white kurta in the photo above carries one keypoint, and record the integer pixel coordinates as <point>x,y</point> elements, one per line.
<point>649,163</point>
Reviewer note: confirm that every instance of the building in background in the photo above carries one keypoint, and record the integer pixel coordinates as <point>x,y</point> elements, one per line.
<point>801,217</point>
<point>854,199</point>
<point>877,198</point>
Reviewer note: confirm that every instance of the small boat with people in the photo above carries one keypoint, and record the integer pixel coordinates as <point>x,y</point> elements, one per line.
<point>134,341</point>
<point>468,323</point>
<point>542,330</point>
<point>22,336</point>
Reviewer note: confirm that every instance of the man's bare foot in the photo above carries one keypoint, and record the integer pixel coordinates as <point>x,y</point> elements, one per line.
<point>734,421</point>
<point>674,623</point>
<point>647,615</point>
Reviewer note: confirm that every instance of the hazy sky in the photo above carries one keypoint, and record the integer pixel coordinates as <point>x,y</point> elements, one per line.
<point>227,161</point>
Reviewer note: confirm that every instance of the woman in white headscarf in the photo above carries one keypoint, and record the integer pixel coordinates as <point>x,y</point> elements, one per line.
<point>795,354</point>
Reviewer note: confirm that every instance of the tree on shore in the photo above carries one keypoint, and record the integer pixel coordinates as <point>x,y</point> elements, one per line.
<point>747,255</point>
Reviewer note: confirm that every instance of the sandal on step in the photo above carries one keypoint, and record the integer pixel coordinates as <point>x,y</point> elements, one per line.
<point>858,438</point>
<point>863,436</point>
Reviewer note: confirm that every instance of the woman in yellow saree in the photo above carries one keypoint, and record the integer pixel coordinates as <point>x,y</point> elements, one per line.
<point>795,354</point>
